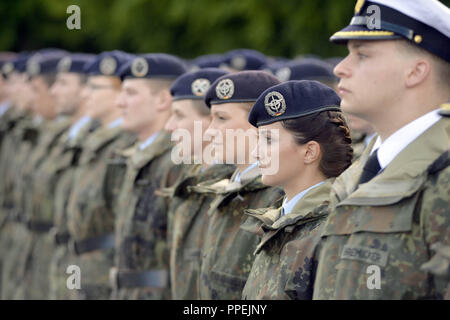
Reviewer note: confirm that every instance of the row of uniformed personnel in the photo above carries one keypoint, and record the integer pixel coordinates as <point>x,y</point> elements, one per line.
<point>90,178</point>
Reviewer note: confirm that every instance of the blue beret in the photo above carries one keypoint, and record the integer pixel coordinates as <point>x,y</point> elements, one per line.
<point>194,85</point>
<point>306,69</point>
<point>293,99</point>
<point>75,62</point>
<point>244,86</point>
<point>44,61</point>
<point>153,65</point>
<point>423,22</point>
<point>208,61</point>
<point>244,59</point>
<point>107,63</point>
<point>19,64</point>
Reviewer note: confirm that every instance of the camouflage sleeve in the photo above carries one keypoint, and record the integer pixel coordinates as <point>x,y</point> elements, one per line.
<point>435,220</point>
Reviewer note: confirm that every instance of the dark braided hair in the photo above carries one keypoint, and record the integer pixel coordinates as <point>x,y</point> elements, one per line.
<point>329,129</point>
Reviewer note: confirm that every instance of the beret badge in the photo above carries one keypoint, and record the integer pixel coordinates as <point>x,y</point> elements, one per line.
<point>64,64</point>
<point>238,62</point>
<point>139,67</point>
<point>225,89</point>
<point>33,68</point>
<point>108,66</point>
<point>200,86</point>
<point>284,74</point>
<point>275,104</point>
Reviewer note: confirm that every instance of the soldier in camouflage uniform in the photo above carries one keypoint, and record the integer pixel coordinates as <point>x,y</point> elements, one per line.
<point>227,251</point>
<point>35,95</point>
<point>187,209</point>
<point>389,212</point>
<point>141,252</point>
<point>67,92</point>
<point>310,144</point>
<point>90,223</point>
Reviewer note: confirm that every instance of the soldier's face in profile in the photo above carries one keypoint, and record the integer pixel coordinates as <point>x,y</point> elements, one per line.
<point>136,101</point>
<point>22,91</point>
<point>371,78</point>
<point>184,116</point>
<point>233,137</point>
<point>101,95</point>
<point>66,91</point>
<point>277,151</point>
<point>42,101</point>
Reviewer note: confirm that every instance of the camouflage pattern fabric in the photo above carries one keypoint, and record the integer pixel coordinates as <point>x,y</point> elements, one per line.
<point>378,237</point>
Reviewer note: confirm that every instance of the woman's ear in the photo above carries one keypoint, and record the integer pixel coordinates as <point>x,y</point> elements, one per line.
<point>311,152</point>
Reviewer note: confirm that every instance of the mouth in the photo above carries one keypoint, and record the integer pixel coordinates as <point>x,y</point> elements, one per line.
<point>342,90</point>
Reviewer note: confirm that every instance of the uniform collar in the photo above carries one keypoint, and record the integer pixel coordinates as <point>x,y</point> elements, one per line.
<point>403,175</point>
<point>237,177</point>
<point>288,205</point>
<point>115,123</point>
<point>77,126</point>
<point>399,140</point>
<point>4,107</point>
<point>149,141</point>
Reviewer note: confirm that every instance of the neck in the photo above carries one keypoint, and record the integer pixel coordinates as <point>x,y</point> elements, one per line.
<point>110,117</point>
<point>299,184</point>
<point>406,111</point>
<point>158,124</point>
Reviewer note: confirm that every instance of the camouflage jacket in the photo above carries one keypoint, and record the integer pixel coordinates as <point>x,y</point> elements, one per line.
<point>188,210</point>
<point>47,140</point>
<point>378,237</point>
<point>87,213</point>
<point>63,155</point>
<point>286,257</point>
<point>227,252</point>
<point>141,222</point>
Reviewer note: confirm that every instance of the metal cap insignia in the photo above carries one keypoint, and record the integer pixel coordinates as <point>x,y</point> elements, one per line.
<point>200,86</point>
<point>139,67</point>
<point>108,66</point>
<point>225,89</point>
<point>275,103</point>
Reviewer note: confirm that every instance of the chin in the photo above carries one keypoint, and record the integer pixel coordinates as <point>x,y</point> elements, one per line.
<point>269,180</point>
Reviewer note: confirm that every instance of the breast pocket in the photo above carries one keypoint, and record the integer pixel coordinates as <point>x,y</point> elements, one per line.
<point>377,252</point>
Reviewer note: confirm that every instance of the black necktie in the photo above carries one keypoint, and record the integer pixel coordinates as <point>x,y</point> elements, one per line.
<point>371,168</point>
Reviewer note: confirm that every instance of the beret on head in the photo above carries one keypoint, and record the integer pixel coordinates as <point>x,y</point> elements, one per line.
<point>107,63</point>
<point>153,65</point>
<point>293,99</point>
<point>244,59</point>
<point>244,86</point>
<point>44,61</point>
<point>75,62</point>
<point>306,69</point>
<point>194,85</point>
<point>207,61</point>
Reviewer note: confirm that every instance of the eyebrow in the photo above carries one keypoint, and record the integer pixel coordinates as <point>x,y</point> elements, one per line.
<point>357,45</point>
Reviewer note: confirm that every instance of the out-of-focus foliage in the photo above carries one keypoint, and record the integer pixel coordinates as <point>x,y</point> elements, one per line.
<point>187,28</point>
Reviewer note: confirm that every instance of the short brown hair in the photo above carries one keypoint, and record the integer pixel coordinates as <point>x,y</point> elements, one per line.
<point>329,129</point>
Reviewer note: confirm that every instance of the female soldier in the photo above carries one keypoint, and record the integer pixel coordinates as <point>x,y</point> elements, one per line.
<point>303,120</point>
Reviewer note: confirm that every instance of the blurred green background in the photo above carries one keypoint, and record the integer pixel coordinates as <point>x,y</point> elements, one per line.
<point>187,28</point>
